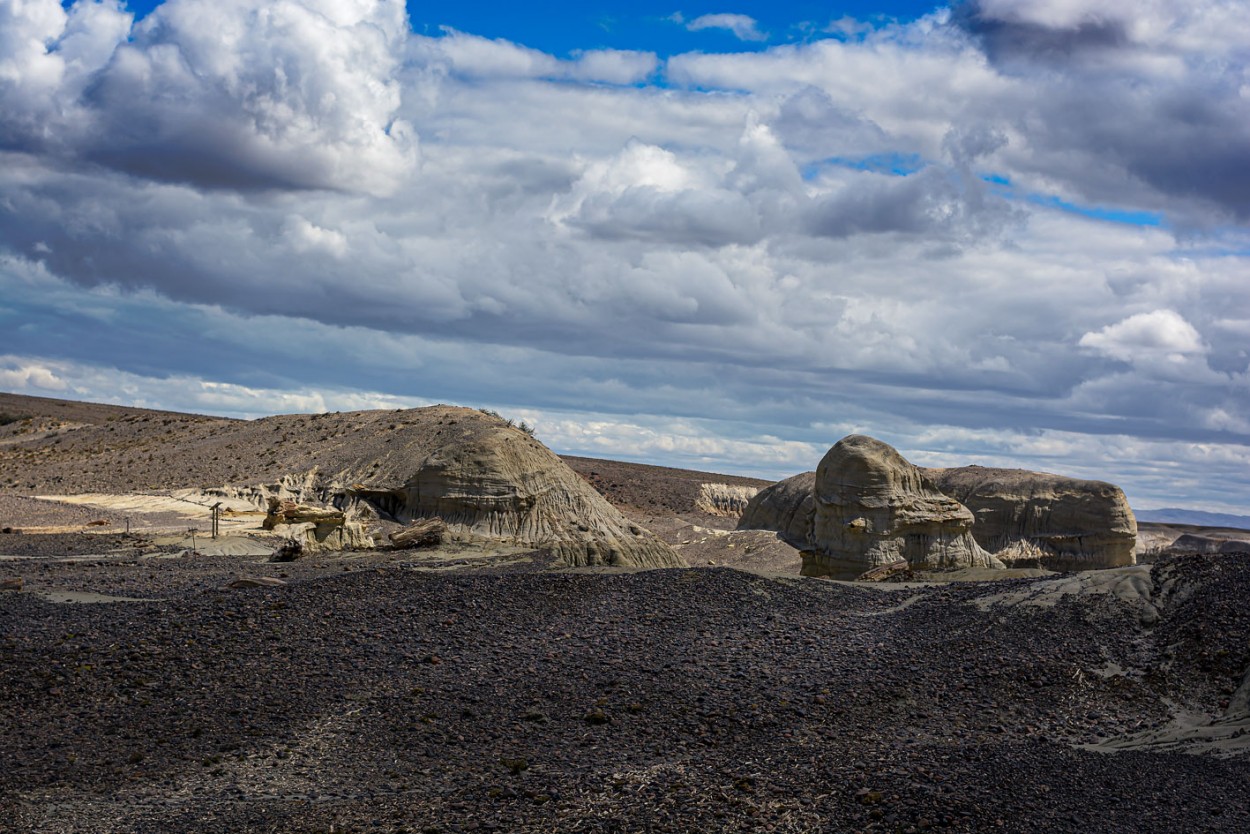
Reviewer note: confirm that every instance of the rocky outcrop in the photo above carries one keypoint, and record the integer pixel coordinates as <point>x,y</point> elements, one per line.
<point>493,480</point>
<point>315,528</point>
<point>785,508</point>
<point>873,508</point>
<point>485,478</point>
<point>724,500</point>
<point>1051,521</point>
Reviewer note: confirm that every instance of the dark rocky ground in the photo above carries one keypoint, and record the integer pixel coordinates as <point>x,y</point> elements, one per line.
<point>465,690</point>
<point>388,699</point>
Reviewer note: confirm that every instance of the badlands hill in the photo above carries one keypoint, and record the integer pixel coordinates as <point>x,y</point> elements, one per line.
<point>155,682</point>
<point>472,469</point>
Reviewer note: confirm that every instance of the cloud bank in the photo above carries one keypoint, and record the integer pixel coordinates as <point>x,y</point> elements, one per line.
<point>1015,234</point>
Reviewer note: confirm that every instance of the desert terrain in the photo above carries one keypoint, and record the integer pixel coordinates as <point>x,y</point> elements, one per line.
<point>154,678</point>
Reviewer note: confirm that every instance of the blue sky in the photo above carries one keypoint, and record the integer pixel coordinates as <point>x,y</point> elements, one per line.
<point>714,236</point>
<point>561,28</point>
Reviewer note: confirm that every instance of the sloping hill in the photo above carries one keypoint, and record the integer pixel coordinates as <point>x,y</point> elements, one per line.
<point>472,468</point>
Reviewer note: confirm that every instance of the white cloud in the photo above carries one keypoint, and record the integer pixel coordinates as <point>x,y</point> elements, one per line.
<point>889,231</point>
<point>471,56</point>
<point>744,28</point>
<point>1161,334</point>
<point>20,374</point>
<point>305,236</point>
<point>234,93</point>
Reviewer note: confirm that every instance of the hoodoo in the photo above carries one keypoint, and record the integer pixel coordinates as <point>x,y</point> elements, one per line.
<point>873,508</point>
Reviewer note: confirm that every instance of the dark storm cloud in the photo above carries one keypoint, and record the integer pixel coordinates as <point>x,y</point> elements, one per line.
<point>1007,40</point>
<point>1150,92</point>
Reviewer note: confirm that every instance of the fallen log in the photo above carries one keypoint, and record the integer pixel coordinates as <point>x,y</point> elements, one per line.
<point>895,570</point>
<point>288,512</point>
<point>424,532</point>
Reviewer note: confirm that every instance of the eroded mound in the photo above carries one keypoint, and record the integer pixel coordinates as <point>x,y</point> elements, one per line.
<point>786,508</point>
<point>1074,524</point>
<point>474,469</point>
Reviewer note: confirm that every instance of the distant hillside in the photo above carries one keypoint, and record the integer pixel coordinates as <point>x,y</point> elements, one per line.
<point>50,446</point>
<point>1197,518</point>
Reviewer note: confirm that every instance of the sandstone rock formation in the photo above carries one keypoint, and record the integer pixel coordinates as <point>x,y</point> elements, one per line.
<point>491,479</point>
<point>873,508</point>
<point>724,500</point>
<point>1051,521</point>
<point>786,507</point>
<point>315,528</point>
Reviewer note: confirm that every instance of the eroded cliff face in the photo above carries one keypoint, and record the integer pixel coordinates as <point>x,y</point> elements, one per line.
<point>786,508</point>
<point>1071,524</point>
<point>873,508</point>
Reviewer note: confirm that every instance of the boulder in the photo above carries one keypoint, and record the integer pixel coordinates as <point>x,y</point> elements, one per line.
<point>1050,521</point>
<point>314,537</point>
<point>786,508</point>
<point>254,582</point>
<point>873,508</point>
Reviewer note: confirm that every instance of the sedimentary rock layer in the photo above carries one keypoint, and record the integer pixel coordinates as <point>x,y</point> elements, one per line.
<point>1072,524</point>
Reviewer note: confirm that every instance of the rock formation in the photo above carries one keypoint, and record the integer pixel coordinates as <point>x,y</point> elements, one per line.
<point>491,479</point>
<point>785,507</point>
<point>1049,520</point>
<point>724,500</point>
<point>873,508</point>
<point>315,528</point>
<point>1026,519</point>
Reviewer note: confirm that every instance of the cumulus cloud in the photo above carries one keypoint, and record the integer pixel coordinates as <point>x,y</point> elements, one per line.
<point>1146,99</point>
<point>1159,334</point>
<point>20,374</point>
<point>744,28</point>
<point>298,93</point>
<point>934,223</point>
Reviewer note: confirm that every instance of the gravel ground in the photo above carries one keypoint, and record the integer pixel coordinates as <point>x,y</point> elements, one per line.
<point>387,699</point>
<point>19,512</point>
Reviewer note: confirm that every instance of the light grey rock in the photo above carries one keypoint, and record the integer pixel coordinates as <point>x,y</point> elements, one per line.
<point>785,508</point>
<point>496,481</point>
<point>873,508</point>
<point>1051,521</point>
